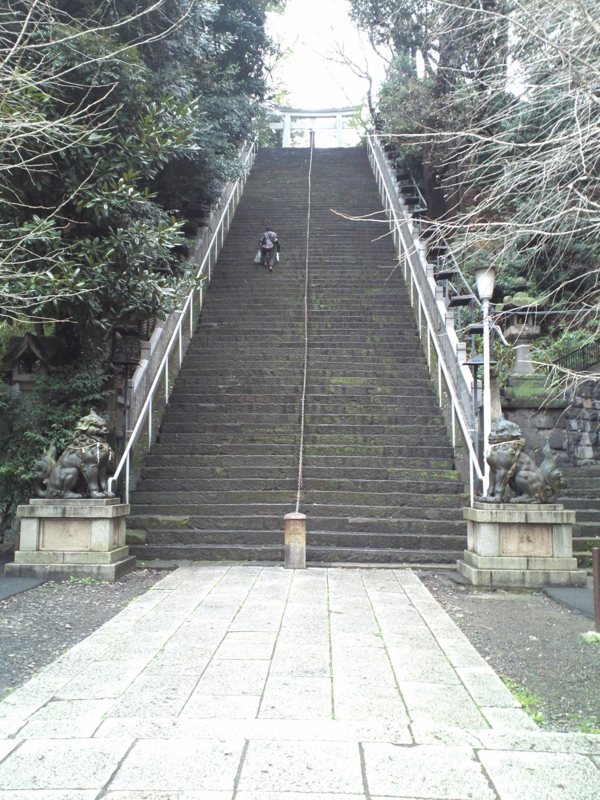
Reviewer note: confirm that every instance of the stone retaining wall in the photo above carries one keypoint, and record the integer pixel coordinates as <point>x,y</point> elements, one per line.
<point>571,423</point>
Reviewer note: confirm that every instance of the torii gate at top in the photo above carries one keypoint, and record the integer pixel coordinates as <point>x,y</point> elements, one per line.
<point>300,119</point>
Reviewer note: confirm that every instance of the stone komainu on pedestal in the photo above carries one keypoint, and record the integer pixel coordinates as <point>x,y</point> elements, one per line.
<point>511,469</point>
<point>82,468</point>
<point>77,528</point>
<point>527,543</point>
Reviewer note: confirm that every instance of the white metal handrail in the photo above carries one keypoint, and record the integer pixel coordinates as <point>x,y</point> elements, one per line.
<point>187,309</point>
<point>427,306</point>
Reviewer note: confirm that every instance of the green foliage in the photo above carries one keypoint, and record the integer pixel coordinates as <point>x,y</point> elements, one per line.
<point>565,338</point>
<point>591,637</point>
<point>28,427</point>
<point>128,123</point>
<point>120,123</point>
<point>89,581</point>
<point>443,57</point>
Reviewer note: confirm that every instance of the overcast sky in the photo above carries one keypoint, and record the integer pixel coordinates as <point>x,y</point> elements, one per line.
<point>312,29</point>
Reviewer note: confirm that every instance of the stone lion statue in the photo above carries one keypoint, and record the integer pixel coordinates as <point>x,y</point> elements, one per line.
<point>82,469</point>
<point>512,470</point>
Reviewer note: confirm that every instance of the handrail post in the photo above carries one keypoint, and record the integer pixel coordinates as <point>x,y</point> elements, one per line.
<point>167,379</point>
<point>453,422</point>
<point>127,475</point>
<point>471,482</point>
<point>596,585</point>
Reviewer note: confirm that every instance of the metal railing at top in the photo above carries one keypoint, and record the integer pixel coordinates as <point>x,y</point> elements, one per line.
<point>581,359</point>
<point>187,310</point>
<point>439,325</point>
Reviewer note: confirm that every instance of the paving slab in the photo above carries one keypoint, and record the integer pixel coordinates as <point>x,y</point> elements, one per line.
<point>169,765</point>
<point>547,776</point>
<point>302,767</point>
<point>227,682</point>
<point>62,764</point>
<point>426,771</point>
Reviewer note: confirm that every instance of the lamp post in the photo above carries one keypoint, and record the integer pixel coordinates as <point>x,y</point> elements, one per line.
<point>484,278</point>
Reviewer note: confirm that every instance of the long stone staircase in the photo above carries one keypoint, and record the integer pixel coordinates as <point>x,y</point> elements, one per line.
<point>379,483</point>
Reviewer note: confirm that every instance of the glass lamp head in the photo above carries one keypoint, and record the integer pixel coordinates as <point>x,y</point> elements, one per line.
<point>485,278</point>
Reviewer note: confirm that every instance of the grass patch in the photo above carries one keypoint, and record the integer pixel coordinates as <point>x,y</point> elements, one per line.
<point>530,701</point>
<point>590,637</point>
<point>83,581</point>
<point>586,725</point>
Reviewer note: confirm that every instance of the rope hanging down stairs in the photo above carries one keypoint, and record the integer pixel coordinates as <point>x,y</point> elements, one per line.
<point>305,369</point>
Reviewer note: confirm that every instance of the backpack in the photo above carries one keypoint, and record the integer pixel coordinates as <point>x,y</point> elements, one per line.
<point>267,240</point>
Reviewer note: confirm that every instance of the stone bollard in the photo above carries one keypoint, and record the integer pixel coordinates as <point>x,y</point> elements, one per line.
<point>295,541</point>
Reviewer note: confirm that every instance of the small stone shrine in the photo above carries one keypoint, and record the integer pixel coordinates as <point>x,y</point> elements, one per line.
<point>76,527</point>
<point>518,537</point>
<point>29,356</point>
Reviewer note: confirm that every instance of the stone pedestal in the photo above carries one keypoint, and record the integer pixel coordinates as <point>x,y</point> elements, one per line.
<point>522,335</point>
<point>516,545</point>
<point>63,538</point>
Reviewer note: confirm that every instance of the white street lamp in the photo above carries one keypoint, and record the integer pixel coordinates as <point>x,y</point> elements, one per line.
<point>485,278</point>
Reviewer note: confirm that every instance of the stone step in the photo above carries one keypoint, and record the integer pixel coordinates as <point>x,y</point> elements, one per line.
<point>318,422</point>
<point>340,555</point>
<point>188,502</point>
<point>275,378</point>
<point>384,519</point>
<point>276,372</point>
<point>325,338</point>
<point>281,423</point>
<point>288,404</point>
<point>410,541</point>
<point>188,526</point>
<point>212,447</point>
<point>580,504</point>
<point>230,385</point>
<point>591,472</point>
<point>267,471</point>
<point>283,481</point>
<point>344,444</point>
<point>290,458</point>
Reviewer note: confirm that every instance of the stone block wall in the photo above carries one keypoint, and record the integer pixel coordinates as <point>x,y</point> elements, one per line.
<point>570,423</point>
<point>583,424</point>
<point>538,426</point>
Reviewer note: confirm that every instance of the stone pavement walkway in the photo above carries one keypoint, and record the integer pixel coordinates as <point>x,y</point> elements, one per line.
<point>256,683</point>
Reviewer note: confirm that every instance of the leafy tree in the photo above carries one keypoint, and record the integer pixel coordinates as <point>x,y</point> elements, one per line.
<point>443,55</point>
<point>511,125</point>
<point>119,122</point>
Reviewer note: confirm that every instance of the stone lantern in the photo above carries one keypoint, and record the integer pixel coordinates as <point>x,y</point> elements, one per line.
<point>522,330</point>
